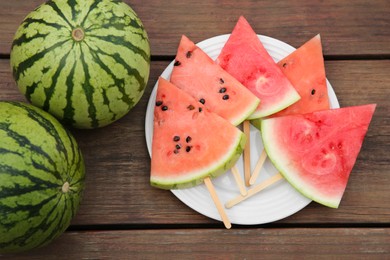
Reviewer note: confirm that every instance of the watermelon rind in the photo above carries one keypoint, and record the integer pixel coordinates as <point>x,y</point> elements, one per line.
<point>246,116</point>
<point>85,62</point>
<point>42,177</point>
<point>256,123</point>
<point>191,179</point>
<point>290,98</point>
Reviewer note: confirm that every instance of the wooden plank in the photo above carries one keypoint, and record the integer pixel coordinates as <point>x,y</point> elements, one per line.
<point>117,160</point>
<point>318,243</point>
<point>347,29</point>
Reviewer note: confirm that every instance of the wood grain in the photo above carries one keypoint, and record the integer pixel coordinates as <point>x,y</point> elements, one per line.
<point>360,28</point>
<point>117,160</point>
<point>123,217</point>
<point>308,243</point>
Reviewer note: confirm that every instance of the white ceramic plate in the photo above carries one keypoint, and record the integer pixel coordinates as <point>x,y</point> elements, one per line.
<point>274,203</point>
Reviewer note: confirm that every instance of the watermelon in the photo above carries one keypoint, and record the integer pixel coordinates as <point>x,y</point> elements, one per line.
<point>85,62</point>
<point>305,69</point>
<point>246,59</point>
<point>316,152</point>
<point>41,177</point>
<point>197,74</point>
<point>184,150</point>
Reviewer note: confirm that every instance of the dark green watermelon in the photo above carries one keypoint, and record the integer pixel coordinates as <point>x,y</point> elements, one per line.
<point>41,177</point>
<point>85,62</point>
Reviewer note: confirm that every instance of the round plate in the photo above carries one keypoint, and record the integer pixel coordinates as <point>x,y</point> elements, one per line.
<point>276,202</point>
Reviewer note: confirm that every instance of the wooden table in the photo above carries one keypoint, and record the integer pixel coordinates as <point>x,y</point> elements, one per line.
<point>123,217</point>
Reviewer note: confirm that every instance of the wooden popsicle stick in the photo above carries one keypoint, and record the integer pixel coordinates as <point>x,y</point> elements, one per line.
<point>240,183</point>
<point>256,189</point>
<point>258,167</point>
<point>217,203</point>
<point>247,153</point>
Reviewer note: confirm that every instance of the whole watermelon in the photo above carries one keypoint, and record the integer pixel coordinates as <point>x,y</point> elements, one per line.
<point>41,177</point>
<point>85,62</point>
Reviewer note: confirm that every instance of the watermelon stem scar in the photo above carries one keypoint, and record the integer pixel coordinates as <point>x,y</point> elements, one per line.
<point>65,187</point>
<point>78,34</point>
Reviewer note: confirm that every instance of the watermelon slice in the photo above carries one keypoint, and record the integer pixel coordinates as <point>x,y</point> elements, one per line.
<point>306,71</point>
<point>246,59</point>
<point>197,74</point>
<point>315,152</point>
<point>184,150</point>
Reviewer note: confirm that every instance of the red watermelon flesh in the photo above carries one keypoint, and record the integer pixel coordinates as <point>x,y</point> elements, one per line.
<point>246,59</point>
<point>316,152</point>
<point>197,74</point>
<point>185,147</point>
<point>305,69</point>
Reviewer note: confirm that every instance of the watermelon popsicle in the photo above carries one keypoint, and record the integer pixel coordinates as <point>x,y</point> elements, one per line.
<point>246,59</point>
<point>316,152</point>
<point>198,75</point>
<point>185,153</point>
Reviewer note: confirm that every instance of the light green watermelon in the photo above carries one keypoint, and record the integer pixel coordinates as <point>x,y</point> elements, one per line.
<point>186,148</point>
<point>41,177</point>
<point>316,152</point>
<point>85,62</point>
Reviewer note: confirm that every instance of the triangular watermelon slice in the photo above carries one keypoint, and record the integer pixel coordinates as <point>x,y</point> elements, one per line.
<point>315,152</point>
<point>305,69</point>
<point>246,59</point>
<point>185,147</point>
<point>197,74</point>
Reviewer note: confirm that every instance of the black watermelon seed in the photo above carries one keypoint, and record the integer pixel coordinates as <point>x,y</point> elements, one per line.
<point>191,107</point>
<point>222,90</point>
<point>164,108</point>
<point>176,138</point>
<point>177,63</point>
<point>284,64</point>
<point>176,151</point>
<point>221,81</point>
<point>178,146</point>
<point>159,103</point>
<point>188,139</point>
<point>188,148</point>
<point>188,54</point>
<point>202,101</point>
<point>200,109</point>
<point>313,91</point>
<point>225,97</point>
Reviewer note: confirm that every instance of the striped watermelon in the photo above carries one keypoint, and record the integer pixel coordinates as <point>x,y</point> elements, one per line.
<point>41,177</point>
<point>85,62</point>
